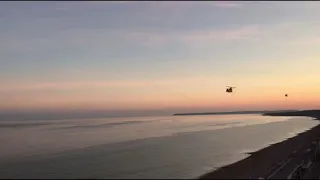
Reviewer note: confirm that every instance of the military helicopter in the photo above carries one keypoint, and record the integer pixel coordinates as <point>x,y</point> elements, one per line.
<point>229,89</point>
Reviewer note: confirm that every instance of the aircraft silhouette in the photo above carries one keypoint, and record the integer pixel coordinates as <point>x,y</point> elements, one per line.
<point>229,89</point>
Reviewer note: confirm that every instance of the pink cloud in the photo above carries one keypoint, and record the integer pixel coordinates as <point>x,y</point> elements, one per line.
<point>221,35</point>
<point>200,36</point>
<point>65,85</point>
<point>34,86</point>
<point>173,6</point>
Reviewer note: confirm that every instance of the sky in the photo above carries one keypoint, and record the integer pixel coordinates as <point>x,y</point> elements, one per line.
<point>150,56</point>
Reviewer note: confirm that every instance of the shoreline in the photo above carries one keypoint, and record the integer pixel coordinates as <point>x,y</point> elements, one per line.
<point>231,113</point>
<point>266,159</point>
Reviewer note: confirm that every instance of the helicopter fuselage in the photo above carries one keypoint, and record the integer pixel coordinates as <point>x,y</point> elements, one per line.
<point>229,90</point>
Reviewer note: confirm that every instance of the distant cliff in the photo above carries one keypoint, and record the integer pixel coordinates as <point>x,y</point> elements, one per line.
<point>309,113</point>
<point>234,112</point>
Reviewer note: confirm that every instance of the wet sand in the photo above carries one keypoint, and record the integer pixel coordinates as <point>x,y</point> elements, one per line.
<point>261,162</point>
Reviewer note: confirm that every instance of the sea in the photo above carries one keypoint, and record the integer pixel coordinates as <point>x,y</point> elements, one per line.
<point>162,147</point>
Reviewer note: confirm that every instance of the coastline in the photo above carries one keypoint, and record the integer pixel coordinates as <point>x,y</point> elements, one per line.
<point>231,113</point>
<point>261,162</point>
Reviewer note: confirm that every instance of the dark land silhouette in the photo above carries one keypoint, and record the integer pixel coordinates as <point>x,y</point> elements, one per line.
<point>309,113</point>
<point>232,112</point>
<point>263,162</point>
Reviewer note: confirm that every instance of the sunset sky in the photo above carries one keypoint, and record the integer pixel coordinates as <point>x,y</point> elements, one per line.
<point>159,55</point>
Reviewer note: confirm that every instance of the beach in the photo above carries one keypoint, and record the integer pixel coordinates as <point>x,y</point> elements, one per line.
<point>261,163</point>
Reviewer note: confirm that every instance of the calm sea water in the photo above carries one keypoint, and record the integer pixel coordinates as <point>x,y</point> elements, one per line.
<point>137,147</point>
